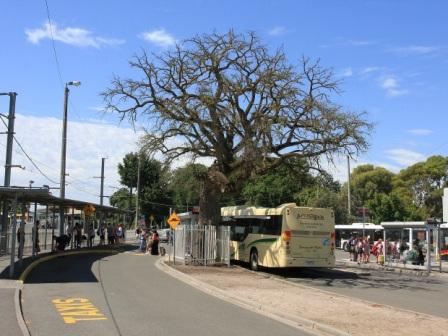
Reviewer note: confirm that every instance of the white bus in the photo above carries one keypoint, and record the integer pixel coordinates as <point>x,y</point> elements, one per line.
<point>345,231</point>
<point>286,236</point>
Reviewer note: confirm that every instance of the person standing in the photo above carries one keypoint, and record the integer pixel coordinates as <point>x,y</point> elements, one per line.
<point>91,235</point>
<point>119,233</point>
<point>110,234</point>
<point>155,243</point>
<point>21,239</point>
<point>35,237</point>
<point>102,234</point>
<point>143,241</point>
<point>78,235</point>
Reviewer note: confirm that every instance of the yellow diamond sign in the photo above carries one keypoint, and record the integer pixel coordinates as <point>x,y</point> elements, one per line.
<point>174,221</point>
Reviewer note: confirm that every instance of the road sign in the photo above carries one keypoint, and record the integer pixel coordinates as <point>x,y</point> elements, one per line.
<point>174,221</point>
<point>89,209</point>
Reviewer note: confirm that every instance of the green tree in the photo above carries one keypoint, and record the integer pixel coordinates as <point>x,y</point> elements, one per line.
<point>154,195</point>
<point>324,198</point>
<point>226,96</point>
<point>122,199</point>
<point>185,185</point>
<point>387,207</point>
<point>128,170</point>
<point>423,183</point>
<point>279,186</point>
<point>367,181</point>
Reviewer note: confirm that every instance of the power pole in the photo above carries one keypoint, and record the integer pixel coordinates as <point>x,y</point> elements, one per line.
<point>138,192</point>
<point>8,161</point>
<point>102,181</point>
<point>349,198</point>
<point>63,158</point>
<point>101,188</point>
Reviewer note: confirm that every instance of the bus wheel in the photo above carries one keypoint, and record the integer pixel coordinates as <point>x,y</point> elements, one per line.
<point>254,260</point>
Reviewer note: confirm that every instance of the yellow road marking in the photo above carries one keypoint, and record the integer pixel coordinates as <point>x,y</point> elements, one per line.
<point>73,310</point>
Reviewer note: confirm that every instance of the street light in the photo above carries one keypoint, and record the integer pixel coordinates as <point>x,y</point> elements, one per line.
<point>64,153</point>
<point>31,184</point>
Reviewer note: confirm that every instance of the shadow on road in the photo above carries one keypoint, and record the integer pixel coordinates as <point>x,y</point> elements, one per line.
<point>72,268</point>
<point>362,279</point>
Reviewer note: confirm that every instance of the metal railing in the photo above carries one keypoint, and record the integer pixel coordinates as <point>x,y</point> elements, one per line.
<point>202,244</point>
<point>44,241</point>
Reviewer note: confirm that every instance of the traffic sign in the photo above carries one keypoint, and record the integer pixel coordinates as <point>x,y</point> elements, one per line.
<point>89,209</point>
<point>173,220</point>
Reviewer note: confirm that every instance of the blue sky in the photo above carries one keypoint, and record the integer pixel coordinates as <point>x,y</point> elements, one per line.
<point>391,56</point>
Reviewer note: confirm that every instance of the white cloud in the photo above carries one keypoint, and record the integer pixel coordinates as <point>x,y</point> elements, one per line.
<point>276,31</point>
<point>96,108</point>
<point>75,36</point>
<point>404,157</point>
<point>87,144</point>
<point>390,85</point>
<point>415,50</point>
<point>159,37</point>
<point>368,70</point>
<point>361,43</point>
<point>347,72</point>
<point>420,131</point>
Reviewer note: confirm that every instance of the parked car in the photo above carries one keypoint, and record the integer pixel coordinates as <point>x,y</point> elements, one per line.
<point>164,235</point>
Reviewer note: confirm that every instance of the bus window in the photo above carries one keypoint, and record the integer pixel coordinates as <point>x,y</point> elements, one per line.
<point>271,225</point>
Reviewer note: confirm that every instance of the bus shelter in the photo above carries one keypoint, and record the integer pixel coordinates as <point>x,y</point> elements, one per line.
<point>418,243</point>
<point>15,201</point>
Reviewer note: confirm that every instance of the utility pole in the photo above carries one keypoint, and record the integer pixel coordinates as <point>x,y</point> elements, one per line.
<point>8,161</point>
<point>349,198</point>
<point>63,156</point>
<point>138,192</point>
<point>101,188</point>
<point>102,181</point>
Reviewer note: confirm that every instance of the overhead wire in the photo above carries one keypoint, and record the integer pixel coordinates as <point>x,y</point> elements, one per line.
<point>58,67</point>
<point>28,156</point>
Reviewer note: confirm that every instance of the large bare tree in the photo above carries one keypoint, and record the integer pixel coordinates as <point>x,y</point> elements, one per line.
<point>229,98</point>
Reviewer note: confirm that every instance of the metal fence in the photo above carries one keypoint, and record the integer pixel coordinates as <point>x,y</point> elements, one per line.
<point>45,239</point>
<point>202,244</point>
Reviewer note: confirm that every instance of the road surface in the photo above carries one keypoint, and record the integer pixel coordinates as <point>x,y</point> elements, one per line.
<point>418,293</point>
<point>126,295</point>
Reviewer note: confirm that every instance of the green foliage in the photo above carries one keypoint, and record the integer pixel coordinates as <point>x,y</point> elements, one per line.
<point>122,199</point>
<point>154,177</point>
<point>367,181</point>
<point>185,185</point>
<point>128,170</point>
<point>423,183</point>
<point>279,186</point>
<point>324,198</point>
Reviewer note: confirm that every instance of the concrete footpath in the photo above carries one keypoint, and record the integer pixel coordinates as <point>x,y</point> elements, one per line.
<point>11,321</point>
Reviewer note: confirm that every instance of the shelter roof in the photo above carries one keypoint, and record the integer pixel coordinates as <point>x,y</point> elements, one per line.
<point>43,196</point>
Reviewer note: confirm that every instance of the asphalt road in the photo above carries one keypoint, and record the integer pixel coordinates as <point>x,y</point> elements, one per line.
<point>126,295</point>
<point>417,293</point>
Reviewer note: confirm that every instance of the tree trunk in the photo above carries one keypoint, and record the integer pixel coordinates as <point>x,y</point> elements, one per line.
<point>213,185</point>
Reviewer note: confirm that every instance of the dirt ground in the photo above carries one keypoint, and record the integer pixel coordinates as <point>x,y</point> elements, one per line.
<point>351,315</point>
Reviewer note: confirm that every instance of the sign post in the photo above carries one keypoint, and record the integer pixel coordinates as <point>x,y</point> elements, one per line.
<point>173,222</point>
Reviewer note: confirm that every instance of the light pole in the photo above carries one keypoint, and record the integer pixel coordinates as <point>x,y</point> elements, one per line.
<point>63,155</point>
<point>11,118</point>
